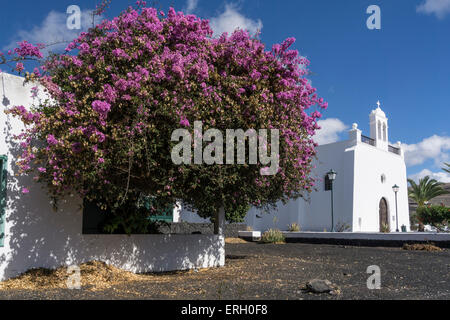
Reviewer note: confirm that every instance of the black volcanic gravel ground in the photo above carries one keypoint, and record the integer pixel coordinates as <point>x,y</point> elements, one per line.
<point>257,271</point>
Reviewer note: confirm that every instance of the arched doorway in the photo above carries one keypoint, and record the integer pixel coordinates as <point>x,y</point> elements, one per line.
<point>384,214</point>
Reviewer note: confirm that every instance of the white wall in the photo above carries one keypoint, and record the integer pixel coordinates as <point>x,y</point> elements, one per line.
<point>36,236</point>
<point>313,213</point>
<point>370,164</point>
<point>187,215</point>
<point>278,218</point>
<point>339,157</point>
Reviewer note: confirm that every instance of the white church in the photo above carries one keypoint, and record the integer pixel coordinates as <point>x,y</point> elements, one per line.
<point>369,191</point>
<point>368,170</point>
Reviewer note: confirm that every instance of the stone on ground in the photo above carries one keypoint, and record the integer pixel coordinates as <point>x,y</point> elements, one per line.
<point>320,286</point>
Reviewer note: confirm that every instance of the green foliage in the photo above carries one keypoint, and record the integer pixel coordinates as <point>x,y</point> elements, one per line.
<point>426,190</point>
<point>385,228</point>
<point>414,222</point>
<point>448,167</point>
<point>272,236</point>
<point>134,216</point>
<point>236,213</point>
<point>437,216</point>
<point>294,227</point>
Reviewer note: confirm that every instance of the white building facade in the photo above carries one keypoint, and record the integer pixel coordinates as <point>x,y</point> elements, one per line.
<point>363,197</point>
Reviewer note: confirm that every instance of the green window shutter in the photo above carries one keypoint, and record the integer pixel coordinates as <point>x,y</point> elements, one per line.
<point>3,175</point>
<point>164,214</point>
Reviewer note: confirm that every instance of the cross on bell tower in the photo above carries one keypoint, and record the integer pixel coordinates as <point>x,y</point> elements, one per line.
<point>379,127</point>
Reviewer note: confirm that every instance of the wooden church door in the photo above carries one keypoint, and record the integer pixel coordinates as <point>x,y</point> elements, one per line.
<point>384,216</point>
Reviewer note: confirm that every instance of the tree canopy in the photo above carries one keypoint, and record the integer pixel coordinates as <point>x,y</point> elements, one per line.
<point>123,87</point>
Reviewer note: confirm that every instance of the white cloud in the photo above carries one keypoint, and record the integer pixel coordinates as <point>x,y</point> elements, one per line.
<point>438,7</point>
<point>231,19</point>
<point>330,130</point>
<point>439,176</point>
<point>53,29</point>
<point>435,147</point>
<point>191,5</point>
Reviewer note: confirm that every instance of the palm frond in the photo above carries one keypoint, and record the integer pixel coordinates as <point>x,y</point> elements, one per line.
<point>426,190</point>
<point>448,167</point>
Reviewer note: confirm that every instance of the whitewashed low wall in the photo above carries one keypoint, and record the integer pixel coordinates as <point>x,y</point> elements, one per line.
<point>35,236</point>
<point>139,253</point>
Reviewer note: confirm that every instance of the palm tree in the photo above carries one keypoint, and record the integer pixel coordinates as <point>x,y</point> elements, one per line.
<point>426,190</point>
<point>448,167</point>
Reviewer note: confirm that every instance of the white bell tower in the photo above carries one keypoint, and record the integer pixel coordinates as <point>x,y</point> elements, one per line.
<point>379,128</point>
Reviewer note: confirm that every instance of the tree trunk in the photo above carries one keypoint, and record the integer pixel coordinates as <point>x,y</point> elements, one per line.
<point>421,227</point>
<point>219,221</point>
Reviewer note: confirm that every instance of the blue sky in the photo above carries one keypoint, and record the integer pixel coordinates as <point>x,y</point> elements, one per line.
<point>405,65</point>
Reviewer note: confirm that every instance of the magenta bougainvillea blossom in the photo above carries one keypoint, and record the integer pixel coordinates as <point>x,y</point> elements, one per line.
<point>121,89</point>
<point>102,107</point>
<point>26,49</point>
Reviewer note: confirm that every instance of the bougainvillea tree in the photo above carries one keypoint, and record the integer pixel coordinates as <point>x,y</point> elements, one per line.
<point>123,87</point>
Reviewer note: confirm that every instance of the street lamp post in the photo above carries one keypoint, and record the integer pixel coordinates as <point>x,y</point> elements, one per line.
<point>395,188</point>
<point>332,176</point>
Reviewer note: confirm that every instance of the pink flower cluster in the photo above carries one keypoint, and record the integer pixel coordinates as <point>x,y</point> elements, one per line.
<point>101,107</point>
<point>26,49</point>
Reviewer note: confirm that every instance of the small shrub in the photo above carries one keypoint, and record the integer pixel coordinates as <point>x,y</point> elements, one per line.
<point>437,216</point>
<point>385,228</point>
<point>272,236</point>
<point>342,227</point>
<point>293,227</point>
